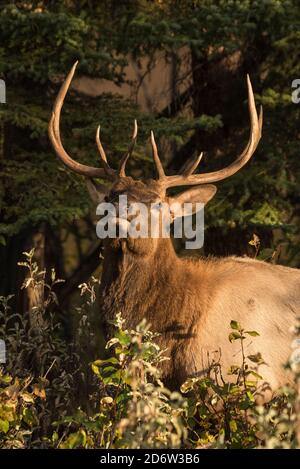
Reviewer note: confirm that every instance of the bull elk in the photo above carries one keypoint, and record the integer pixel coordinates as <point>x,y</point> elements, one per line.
<point>189,302</point>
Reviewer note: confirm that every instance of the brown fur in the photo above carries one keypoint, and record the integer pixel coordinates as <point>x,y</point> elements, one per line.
<point>191,302</point>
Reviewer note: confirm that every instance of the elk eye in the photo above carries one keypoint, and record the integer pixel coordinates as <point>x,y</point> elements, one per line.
<point>157,205</point>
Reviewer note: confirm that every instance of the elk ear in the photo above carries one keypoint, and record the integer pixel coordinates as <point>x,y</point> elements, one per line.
<point>197,195</point>
<point>97,191</point>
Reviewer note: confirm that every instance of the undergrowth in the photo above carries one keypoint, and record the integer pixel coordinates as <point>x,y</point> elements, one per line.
<point>50,398</point>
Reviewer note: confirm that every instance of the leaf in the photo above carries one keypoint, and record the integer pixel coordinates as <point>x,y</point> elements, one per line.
<point>256,375</point>
<point>114,377</point>
<point>251,384</point>
<point>122,398</point>
<point>233,426</point>
<point>234,336</point>
<point>233,389</point>
<point>256,358</point>
<point>74,440</point>
<point>96,370</point>
<point>27,397</point>
<point>250,396</point>
<point>112,360</point>
<point>29,417</point>
<point>245,404</point>
<point>84,438</point>
<point>214,400</point>
<point>234,370</point>
<point>27,282</point>
<point>266,215</point>
<point>235,325</point>
<point>5,379</point>
<point>255,241</point>
<point>252,333</point>
<point>112,342</point>
<point>107,400</point>
<point>39,391</point>
<point>123,337</point>
<point>188,385</point>
<point>4,426</point>
<point>54,437</point>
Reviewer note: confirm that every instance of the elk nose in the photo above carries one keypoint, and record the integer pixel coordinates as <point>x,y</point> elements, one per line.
<point>128,210</point>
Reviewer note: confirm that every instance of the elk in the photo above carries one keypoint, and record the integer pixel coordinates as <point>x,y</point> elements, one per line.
<point>189,302</point>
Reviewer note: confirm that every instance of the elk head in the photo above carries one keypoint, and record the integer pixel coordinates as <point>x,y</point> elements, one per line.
<point>153,191</point>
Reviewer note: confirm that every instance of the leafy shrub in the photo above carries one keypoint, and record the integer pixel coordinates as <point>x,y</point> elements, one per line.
<point>134,408</point>
<point>279,424</point>
<point>40,350</point>
<point>235,396</point>
<point>136,411</point>
<point>18,412</point>
<point>125,403</point>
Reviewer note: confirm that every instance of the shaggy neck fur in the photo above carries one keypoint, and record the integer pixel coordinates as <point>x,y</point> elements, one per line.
<point>133,285</point>
<point>130,282</point>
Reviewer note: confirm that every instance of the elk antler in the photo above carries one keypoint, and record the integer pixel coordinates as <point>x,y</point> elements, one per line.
<point>159,166</point>
<point>187,178</point>
<point>192,165</point>
<point>122,165</point>
<point>54,134</point>
<point>190,179</point>
<point>124,159</point>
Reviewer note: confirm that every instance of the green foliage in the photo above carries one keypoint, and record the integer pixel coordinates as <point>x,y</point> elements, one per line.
<point>49,40</point>
<point>230,39</point>
<point>214,45</point>
<point>39,41</point>
<point>220,406</point>
<point>18,410</point>
<point>121,400</point>
<point>135,410</point>
<point>36,347</point>
<point>42,40</point>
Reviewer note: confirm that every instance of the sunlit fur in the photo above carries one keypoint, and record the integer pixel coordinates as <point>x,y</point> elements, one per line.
<point>191,302</point>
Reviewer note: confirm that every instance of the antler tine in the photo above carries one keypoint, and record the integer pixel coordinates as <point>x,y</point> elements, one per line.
<point>54,135</point>
<point>159,166</point>
<point>192,165</point>
<point>108,170</point>
<point>99,145</point>
<point>255,135</point>
<point>127,155</point>
<point>260,119</point>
